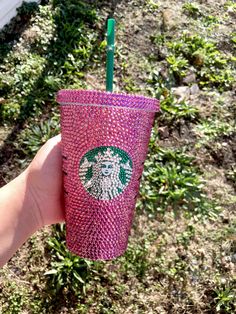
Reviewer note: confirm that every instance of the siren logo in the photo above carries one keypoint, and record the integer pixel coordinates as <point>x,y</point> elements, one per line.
<point>105,172</point>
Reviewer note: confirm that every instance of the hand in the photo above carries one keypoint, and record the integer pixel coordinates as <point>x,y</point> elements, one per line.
<point>32,200</point>
<point>44,182</point>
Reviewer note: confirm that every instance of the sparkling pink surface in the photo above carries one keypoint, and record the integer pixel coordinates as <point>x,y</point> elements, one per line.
<point>99,229</point>
<point>107,98</point>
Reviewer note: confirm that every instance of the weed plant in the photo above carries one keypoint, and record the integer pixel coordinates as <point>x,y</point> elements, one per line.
<point>212,67</point>
<point>33,137</point>
<point>192,9</point>
<point>67,271</point>
<point>208,130</point>
<point>171,182</point>
<point>225,300</point>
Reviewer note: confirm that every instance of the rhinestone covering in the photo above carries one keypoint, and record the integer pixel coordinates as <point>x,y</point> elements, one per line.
<point>104,145</point>
<point>106,98</point>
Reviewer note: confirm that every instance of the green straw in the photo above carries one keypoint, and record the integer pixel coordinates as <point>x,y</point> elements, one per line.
<point>110,54</point>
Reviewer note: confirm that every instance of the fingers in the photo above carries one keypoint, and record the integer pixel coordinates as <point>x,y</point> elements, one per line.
<point>55,140</point>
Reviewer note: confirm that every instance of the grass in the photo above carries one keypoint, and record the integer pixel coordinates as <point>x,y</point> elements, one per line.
<point>67,272</point>
<point>210,129</point>
<point>59,50</point>
<point>34,136</point>
<point>180,257</point>
<point>212,67</point>
<point>171,182</point>
<point>192,9</point>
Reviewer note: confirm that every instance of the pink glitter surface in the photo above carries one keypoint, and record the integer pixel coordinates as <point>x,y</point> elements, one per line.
<point>101,129</point>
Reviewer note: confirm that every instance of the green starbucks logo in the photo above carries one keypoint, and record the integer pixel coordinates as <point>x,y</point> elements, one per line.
<point>105,172</point>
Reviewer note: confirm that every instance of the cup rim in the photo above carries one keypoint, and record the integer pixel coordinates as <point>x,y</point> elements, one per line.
<point>106,99</point>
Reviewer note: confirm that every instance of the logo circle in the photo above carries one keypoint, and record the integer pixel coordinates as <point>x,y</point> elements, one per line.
<point>105,172</point>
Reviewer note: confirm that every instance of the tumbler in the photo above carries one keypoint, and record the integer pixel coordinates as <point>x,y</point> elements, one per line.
<point>105,140</point>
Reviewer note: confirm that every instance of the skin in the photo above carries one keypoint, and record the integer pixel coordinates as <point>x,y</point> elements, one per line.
<point>32,200</point>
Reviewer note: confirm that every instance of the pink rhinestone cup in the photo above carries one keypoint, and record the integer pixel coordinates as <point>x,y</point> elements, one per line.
<point>105,139</point>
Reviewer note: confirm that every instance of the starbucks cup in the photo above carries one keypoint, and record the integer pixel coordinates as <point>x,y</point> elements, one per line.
<point>105,139</point>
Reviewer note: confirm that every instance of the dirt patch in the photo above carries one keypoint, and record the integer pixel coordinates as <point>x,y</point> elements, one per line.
<point>8,168</point>
<point>224,154</point>
<point>217,186</point>
<point>4,132</point>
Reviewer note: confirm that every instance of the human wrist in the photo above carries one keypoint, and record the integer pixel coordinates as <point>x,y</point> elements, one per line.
<point>17,197</point>
<point>32,207</point>
<point>18,215</point>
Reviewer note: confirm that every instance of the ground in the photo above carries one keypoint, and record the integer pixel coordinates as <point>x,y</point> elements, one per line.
<point>181,256</point>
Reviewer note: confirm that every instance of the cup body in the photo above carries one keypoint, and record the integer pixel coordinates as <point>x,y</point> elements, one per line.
<point>105,139</point>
